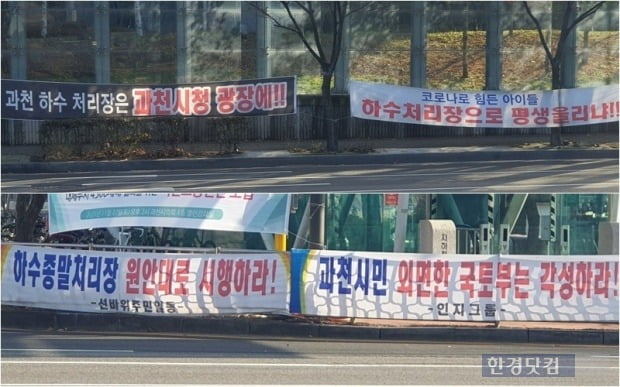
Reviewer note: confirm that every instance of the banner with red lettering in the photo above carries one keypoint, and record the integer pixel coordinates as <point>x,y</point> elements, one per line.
<point>485,109</point>
<point>144,283</point>
<point>558,288</point>
<point>34,100</point>
<point>454,287</point>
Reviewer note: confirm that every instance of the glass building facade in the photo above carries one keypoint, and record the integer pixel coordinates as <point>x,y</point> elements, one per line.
<point>445,45</point>
<point>545,224</point>
<point>162,41</point>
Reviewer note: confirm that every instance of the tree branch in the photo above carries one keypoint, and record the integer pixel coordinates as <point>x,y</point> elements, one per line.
<point>300,32</point>
<point>275,21</point>
<point>340,12</point>
<point>565,29</point>
<point>539,29</point>
<point>335,36</point>
<point>586,14</point>
<point>352,10</point>
<point>315,31</point>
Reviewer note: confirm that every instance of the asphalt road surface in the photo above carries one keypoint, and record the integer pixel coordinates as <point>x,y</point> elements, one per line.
<point>62,358</point>
<point>532,176</point>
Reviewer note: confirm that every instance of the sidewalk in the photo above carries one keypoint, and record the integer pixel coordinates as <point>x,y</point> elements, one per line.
<point>304,327</point>
<point>17,159</point>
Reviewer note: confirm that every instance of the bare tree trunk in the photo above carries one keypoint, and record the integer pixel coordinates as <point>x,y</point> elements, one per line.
<point>556,136</point>
<point>556,61</point>
<point>549,38</point>
<point>70,12</point>
<point>464,42</point>
<point>345,209</point>
<point>138,17</point>
<point>372,216</point>
<point>27,209</point>
<point>510,6</point>
<point>556,83</point>
<point>325,50</point>
<point>317,222</point>
<point>44,19</point>
<point>154,17</point>
<point>326,113</point>
<point>206,9</point>
<point>586,47</point>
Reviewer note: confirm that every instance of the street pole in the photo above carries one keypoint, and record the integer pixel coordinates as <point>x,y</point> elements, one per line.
<point>317,222</point>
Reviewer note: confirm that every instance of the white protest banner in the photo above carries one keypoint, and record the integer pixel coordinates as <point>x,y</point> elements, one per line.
<point>485,109</point>
<point>454,287</point>
<point>558,288</point>
<point>265,213</point>
<point>388,285</point>
<point>144,283</point>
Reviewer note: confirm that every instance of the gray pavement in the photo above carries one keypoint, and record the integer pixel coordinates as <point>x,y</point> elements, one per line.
<point>276,153</point>
<point>304,327</point>
<point>66,358</point>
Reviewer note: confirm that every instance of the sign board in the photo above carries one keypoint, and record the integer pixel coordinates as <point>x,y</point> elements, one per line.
<point>144,283</point>
<point>390,199</point>
<point>485,109</point>
<point>454,287</point>
<point>34,100</point>
<point>252,212</point>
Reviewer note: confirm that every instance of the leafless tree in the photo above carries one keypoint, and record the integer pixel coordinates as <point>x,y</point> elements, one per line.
<point>557,60</point>
<point>464,41</point>
<point>27,210</point>
<point>324,48</point>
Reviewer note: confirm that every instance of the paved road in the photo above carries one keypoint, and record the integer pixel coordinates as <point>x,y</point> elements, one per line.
<point>80,359</point>
<point>533,176</point>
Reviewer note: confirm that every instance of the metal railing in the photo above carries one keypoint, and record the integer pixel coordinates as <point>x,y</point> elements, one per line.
<point>467,240</point>
<point>304,125</point>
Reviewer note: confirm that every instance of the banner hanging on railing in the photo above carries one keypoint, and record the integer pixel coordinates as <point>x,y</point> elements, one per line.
<point>144,283</point>
<point>459,287</point>
<point>34,100</point>
<point>558,288</point>
<point>251,212</point>
<point>485,109</point>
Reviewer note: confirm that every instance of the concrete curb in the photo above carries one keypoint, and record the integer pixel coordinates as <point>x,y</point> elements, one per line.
<point>349,332</point>
<point>610,338</point>
<point>268,327</point>
<point>46,320</point>
<point>328,159</point>
<point>551,336</point>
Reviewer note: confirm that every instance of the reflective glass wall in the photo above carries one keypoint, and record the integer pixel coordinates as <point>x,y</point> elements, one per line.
<point>535,223</point>
<point>149,41</point>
